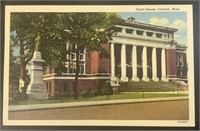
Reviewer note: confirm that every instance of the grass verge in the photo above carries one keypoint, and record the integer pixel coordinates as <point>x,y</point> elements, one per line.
<point>123,95</point>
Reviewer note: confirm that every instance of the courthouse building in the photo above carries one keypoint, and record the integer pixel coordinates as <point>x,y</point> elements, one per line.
<point>137,51</point>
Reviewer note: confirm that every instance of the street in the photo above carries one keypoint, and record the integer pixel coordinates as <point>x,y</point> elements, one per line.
<point>165,110</point>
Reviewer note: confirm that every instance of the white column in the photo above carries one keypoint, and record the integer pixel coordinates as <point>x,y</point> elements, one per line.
<point>154,65</point>
<point>134,64</point>
<point>144,33</point>
<point>154,34</point>
<point>112,57</point>
<point>163,65</point>
<point>134,32</point>
<point>123,63</point>
<point>123,30</point>
<point>144,64</point>
<point>163,36</point>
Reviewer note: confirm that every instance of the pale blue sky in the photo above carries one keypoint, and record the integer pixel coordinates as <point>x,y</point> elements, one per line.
<point>176,20</point>
<point>145,16</point>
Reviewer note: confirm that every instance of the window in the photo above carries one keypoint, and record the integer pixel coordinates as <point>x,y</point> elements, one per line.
<point>129,31</point>
<point>72,67</point>
<point>177,59</point>
<point>70,64</point>
<point>66,67</point>
<point>139,32</point>
<point>73,56</point>
<point>73,48</point>
<point>81,57</point>
<point>181,60</point>
<point>81,66</point>
<point>50,70</point>
<point>158,35</point>
<point>118,29</point>
<point>149,33</point>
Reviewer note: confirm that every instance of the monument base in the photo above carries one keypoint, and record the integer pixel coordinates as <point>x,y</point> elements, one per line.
<point>37,89</point>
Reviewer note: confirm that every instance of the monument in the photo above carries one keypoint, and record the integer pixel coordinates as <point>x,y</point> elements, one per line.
<point>37,89</point>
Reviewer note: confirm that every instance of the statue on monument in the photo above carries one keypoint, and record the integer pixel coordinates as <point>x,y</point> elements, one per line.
<point>37,42</point>
<point>36,88</point>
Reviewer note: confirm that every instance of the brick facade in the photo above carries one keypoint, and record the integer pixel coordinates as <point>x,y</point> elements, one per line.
<point>96,73</point>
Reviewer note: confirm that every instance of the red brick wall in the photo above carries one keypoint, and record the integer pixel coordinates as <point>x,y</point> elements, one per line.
<point>97,64</point>
<point>88,63</point>
<point>51,91</point>
<point>104,62</point>
<point>94,62</point>
<point>171,62</point>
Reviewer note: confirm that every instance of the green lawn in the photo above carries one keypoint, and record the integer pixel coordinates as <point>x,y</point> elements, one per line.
<point>122,95</point>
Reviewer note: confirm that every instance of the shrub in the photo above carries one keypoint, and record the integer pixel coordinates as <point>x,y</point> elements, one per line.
<point>93,93</point>
<point>57,94</point>
<point>17,96</point>
<point>85,93</point>
<point>106,89</point>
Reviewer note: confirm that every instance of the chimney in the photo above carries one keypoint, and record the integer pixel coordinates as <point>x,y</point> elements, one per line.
<point>131,19</point>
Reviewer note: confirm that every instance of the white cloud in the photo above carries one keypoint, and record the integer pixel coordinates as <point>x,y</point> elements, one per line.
<point>159,21</point>
<point>180,35</point>
<point>181,39</point>
<point>181,25</point>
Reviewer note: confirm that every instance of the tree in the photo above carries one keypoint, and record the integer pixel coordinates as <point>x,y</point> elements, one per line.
<point>88,31</point>
<point>14,66</point>
<point>85,30</point>
<point>25,26</point>
<point>23,37</point>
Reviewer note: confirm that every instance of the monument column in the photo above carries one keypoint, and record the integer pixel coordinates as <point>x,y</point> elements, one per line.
<point>144,64</point>
<point>123,63</point>
<point>37,89</point>
<point>163,65</point>
<point>154,65</point>
<point>134,64</point>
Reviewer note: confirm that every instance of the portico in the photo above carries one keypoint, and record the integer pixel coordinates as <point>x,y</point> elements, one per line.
<point>139,51</point>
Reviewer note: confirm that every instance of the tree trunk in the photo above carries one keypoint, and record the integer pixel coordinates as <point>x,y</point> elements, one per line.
<point>22,68</point>
<point>77,74</point>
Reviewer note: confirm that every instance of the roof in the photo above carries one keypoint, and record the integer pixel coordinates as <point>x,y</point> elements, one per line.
<point>133,23</point>
<point>181,46</point>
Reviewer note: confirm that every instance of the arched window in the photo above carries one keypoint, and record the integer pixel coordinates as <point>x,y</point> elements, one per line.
<point>50,70</point>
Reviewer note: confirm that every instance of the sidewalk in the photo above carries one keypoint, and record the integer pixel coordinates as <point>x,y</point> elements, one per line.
<point>91,103</point>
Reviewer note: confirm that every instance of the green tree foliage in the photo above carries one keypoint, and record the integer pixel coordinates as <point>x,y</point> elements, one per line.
<point>25,26</point>
<point>85,30</point>
<point>14,74</point>
<point>22,35</point>
<point>14,66</point>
